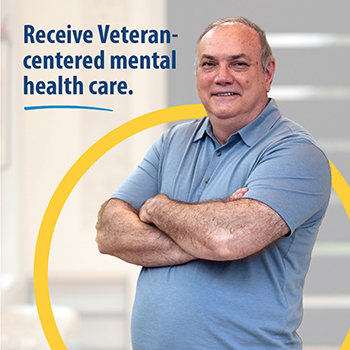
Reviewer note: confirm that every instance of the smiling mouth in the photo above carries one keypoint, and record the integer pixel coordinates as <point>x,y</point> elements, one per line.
<point>225,94</point>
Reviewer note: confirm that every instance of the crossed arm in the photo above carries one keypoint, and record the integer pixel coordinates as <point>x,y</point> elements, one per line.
<point>122,234</point>
<point>167,232</point>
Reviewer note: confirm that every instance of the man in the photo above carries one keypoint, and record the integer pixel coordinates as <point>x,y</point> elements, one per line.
<point>222,269</point>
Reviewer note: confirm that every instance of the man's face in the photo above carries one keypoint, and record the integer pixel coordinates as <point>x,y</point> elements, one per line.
<point>231,82</point>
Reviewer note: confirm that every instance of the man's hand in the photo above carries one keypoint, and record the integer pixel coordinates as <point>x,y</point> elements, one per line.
<point>238,194</point>
<point>122,234</point>
<point>145,213</point>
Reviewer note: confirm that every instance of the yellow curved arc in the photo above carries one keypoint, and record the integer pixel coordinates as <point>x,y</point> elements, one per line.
<point>341,187</point>
<point>75,173</point>
<point>53,210</point>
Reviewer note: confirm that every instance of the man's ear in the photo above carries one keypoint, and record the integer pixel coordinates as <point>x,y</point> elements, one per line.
<point>269,73</point>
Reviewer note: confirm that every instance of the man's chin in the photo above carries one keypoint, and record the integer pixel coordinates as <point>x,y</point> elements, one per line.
<point>223,114</point>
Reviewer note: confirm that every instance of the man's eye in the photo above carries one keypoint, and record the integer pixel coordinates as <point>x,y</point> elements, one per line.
<point>240,64</point>
<point>207,64</point>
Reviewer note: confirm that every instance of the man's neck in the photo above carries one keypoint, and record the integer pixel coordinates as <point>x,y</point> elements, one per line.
<point>223,128</point>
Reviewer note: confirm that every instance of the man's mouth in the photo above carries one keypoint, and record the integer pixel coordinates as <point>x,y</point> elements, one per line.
<point>225,94</point>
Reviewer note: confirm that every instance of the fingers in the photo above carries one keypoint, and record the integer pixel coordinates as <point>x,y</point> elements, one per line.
<point>143,214</point>
<point>148,208</point>
<point>238,194</point>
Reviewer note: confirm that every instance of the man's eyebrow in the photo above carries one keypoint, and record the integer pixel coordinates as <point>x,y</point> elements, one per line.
<point>232,57</point>
<point>209,57</point>
<point>241,55</point>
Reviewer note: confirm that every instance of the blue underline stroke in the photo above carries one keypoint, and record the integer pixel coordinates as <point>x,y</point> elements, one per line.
<point>67,106</point>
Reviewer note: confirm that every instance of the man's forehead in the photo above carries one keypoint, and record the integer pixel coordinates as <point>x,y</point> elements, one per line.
<point>237,30</point>
<point>229,36</point>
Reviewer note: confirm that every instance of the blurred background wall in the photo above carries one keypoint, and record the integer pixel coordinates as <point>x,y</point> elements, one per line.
<point>40,146</point>
<point>311,43</point>
<point>91,293</point>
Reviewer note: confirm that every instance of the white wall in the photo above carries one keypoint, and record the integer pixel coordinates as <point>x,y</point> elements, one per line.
<point>46,143</point>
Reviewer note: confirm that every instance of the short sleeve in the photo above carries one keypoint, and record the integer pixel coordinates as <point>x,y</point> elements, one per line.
<point>294,179</point>
<point>142,183</point>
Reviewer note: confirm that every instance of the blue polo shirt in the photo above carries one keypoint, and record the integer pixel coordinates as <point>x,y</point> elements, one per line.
<point>251,303</point>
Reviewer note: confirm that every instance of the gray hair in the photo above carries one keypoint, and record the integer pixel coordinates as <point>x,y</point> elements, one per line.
<point>266,52</point>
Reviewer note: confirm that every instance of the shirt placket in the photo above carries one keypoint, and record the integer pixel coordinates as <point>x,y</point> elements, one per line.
<point>215,160</point>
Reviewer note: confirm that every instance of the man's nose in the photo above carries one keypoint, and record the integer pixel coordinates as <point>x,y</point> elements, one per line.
<point>224,75</point>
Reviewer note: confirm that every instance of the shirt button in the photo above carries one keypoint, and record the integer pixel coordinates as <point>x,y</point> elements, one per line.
<point>206,180</point>
<point>218,153</point>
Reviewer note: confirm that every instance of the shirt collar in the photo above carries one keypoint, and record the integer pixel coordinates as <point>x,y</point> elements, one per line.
<point>251,132</point>
<point>261,124</point>
<point>204,129</point>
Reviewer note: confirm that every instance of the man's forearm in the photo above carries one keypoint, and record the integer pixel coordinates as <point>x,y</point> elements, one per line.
<point>216,231</point>
<point>121,233</point>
